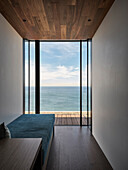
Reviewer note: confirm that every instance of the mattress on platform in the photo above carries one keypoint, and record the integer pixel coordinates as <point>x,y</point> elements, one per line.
<point>33,126</point>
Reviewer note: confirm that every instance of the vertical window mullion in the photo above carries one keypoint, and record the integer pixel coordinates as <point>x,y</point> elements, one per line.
<point>37,76</point>
<point>28,77</point>
<point>87,84</point>
<point>80,82</point>
<point>23,76</point>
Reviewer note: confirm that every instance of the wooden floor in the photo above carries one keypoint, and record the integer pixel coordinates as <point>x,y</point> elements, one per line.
<point>69,119</point>
<point>74,148</point>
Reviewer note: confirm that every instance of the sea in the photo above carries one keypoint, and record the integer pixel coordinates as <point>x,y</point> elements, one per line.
<point>58,98</point>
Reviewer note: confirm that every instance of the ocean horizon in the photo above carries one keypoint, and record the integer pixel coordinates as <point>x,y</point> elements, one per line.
<point>58,98</point>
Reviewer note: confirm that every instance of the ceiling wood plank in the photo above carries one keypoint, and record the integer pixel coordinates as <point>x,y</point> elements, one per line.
<point>63,32</point>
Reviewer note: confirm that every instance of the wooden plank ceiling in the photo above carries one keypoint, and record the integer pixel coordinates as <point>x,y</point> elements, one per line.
<point>55,19</point>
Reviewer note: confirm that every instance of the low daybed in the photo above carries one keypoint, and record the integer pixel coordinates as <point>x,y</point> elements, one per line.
<point>35,126</point>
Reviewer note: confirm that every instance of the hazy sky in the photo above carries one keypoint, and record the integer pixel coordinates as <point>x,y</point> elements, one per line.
<point>59,64</point>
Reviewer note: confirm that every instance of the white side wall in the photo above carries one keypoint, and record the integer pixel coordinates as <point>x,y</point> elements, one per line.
<point>110,85</point>
<point>10,72</point>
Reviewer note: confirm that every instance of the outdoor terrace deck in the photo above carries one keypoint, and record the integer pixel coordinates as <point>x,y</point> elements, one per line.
<point>67,117</point>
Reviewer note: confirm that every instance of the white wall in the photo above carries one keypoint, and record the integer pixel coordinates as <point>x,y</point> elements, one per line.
<point>110,85</point>
<point>10,72</point>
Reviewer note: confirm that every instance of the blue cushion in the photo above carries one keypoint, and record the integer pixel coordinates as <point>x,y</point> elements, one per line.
<point>33,126</point>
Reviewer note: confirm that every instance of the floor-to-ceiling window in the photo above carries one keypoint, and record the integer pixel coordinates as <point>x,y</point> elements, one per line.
<point>65,81</point>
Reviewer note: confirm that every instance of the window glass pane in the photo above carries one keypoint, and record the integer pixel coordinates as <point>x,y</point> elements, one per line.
<point>32,77</point>
<point>26,76</point>
<point>84,83</point>
<point>89,82</point>
<point>60,79</point>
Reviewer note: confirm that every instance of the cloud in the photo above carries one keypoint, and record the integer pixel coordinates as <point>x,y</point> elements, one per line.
<point>58,73</point>
<point>62,76</point>
<point>64,49</point>
<point>56,76</point>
